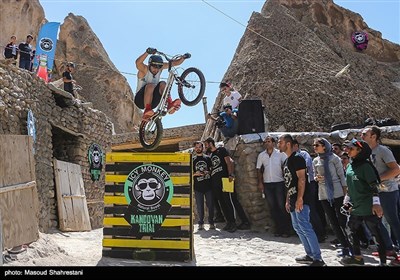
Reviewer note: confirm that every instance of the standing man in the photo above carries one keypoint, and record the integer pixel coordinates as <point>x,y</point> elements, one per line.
<point>68,79</point>
<point>384,161</point>
<point>272,184</point>
<point>222,167</point>
<point>25,53</point>
<point>149,88</point>
<point>317,215</point>
<point>298,201</point>
<point>202,185</point>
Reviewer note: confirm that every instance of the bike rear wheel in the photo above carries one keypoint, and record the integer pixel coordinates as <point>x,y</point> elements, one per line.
<point>192,86</point>
<point>150,133</point>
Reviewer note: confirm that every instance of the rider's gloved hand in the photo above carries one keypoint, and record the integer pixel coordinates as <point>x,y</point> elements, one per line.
<point>187,55</point>
<point>151,50</point>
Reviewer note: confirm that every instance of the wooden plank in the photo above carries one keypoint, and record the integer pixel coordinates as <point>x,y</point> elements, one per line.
<point>119,221</point>
<point>18,187</point>
<point>14,171</point>
<point>19,210</point>
<point>121,200</point>
<point>62,186</point>
<point>186,189</point>
<point>128,167</point>
<point>159,244</point>
<point>72,208</point>
<point>78,198</point>
<point>148,255</point>
<point>147,157</point>
<point>164,232</point>
<point>182,180</point>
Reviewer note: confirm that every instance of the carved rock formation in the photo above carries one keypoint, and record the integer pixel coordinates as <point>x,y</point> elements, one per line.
<point>288,58</point>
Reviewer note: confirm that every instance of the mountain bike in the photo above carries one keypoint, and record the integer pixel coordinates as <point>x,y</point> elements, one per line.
<point>191,86</point>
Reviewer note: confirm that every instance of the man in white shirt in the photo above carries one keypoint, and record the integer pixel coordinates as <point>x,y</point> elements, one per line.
<point>232,96</point>
<point>272,184</point>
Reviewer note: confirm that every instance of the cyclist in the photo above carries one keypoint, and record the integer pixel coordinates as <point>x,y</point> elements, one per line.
<point>149,88</point>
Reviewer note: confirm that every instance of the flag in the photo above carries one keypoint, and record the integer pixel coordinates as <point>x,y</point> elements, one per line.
<point>45,50</point>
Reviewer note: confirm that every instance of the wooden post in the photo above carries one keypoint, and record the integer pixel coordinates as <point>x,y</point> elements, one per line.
<point>205,108</point>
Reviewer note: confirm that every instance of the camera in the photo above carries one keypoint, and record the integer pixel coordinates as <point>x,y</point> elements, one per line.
<point>220,122</point>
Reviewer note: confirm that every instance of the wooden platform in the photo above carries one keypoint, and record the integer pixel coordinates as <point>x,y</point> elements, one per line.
<point>174,239</point>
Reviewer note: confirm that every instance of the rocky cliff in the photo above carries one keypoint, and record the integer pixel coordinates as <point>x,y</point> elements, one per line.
<point>288,58</point>
<point>102,84</point>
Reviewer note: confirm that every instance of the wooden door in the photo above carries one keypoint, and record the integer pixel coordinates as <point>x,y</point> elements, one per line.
<point>73,213</point>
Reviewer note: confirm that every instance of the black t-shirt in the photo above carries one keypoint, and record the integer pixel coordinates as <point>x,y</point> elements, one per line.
<point>68,86</point>
<point>25,51</point>
<point>203,164</point>
<point>292,164</point>
<point>8,51</point>
<point>219,167</point>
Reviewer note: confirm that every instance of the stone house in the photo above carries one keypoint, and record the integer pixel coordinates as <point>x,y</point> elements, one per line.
<point>64,131</point>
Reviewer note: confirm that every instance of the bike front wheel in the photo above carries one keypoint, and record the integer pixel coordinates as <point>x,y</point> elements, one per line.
<point>192,86</point>
<point>150,133</point>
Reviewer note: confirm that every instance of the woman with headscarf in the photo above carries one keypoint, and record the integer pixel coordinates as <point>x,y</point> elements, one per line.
<point>363,180</point>
<point>329,174</point>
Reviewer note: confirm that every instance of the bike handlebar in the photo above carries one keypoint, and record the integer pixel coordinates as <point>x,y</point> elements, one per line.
<point>171,58</point>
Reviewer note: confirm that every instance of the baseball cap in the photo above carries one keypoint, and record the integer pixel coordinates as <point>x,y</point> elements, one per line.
<point>357,143</point>
<point>227,106</point>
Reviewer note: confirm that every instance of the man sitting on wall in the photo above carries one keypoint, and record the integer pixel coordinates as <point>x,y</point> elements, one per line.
<point>227,121</point>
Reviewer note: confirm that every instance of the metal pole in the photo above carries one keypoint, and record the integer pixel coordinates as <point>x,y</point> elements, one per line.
<point>205,108</point>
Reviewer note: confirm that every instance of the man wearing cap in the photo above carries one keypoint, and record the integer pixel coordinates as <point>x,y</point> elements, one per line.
<point>232,96</point>
<point>229,116</point>
<point>25,52</point>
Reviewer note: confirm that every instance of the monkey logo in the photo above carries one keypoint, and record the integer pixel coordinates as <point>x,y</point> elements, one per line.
<point>95,156</point>
<point>147,186</point>
<point>148,190</point>
<point>46,44</point>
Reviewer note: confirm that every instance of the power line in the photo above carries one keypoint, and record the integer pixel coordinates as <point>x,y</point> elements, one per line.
<point>269,40</point>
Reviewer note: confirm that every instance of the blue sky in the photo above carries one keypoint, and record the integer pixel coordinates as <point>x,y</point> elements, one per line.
<point>127,27</point>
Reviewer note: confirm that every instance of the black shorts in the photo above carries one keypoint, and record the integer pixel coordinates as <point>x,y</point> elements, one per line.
<point>139,97</point>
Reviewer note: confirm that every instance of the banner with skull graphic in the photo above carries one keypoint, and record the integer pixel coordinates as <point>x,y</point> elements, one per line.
<point>148,190</point>
<point>95,157</point>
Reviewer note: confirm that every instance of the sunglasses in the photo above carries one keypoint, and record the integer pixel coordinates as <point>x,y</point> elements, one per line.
<point>152,185</point>
<point>158,66</point>
<point>317,145</point>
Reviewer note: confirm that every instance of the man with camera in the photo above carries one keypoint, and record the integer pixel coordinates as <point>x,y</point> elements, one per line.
<point>227,121</point>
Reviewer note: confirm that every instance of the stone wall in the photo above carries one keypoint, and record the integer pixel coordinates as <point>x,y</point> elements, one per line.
<point>61,133</point>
